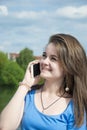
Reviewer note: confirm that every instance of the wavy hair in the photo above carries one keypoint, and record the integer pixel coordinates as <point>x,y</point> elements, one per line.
<point>73,59</point>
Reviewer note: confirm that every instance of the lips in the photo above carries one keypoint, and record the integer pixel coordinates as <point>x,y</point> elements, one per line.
<point>46,69</point>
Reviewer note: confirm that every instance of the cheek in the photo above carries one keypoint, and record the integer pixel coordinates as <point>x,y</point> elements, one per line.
<point>59,70</point>
<point>41,64</point>
<point>41,61</point>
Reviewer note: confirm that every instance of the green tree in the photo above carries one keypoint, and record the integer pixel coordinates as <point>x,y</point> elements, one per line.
<point>25,56</point>
<point>3,60</point>
<point>11,75</point>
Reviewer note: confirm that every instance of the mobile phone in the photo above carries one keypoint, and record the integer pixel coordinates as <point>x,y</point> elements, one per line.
<point>35,70</point>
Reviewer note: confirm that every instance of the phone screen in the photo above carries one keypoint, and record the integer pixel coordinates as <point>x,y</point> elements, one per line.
<point>36,69</point>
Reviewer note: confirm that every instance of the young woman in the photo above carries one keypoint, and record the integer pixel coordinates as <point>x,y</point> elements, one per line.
<point>61,102</point>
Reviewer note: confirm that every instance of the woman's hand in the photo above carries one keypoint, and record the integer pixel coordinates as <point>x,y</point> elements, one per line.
<point>10,118</point>
<point>28,78</point>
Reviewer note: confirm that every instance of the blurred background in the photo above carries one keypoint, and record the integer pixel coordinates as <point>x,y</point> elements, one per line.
<point>25,27</point>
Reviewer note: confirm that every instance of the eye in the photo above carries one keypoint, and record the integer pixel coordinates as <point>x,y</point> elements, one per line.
<point>54,59</point>
<point>44,56</point>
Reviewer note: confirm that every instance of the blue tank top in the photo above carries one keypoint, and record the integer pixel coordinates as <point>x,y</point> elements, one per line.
<point>33,119</point>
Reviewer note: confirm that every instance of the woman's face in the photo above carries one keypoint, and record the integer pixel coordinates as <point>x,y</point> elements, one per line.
<point>50,65</point>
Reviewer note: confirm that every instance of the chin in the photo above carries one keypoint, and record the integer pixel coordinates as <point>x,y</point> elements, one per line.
<point>44,75</point>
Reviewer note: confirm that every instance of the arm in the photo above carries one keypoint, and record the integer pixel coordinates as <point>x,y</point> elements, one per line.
<point>12,114</point>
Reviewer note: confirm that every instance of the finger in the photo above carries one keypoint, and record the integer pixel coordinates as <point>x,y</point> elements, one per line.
<point>32,63</point>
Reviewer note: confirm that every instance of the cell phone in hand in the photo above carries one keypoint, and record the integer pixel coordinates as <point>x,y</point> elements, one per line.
<point>35,69</point>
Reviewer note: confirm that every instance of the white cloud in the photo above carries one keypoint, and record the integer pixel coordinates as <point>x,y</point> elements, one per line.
<point>3,10</point>
<point>73,12</point>
<point>29,14</point>
<point>67,12</point>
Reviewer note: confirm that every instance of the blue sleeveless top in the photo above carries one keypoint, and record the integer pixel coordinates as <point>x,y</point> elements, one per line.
<point>33,119</point>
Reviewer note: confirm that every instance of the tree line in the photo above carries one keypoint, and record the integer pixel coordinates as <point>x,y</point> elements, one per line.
<point>11,73</point>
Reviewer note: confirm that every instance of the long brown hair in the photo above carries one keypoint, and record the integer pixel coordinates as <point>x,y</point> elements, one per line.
<point>74,61</point>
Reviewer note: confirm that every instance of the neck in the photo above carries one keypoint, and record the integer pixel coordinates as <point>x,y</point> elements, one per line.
<point>52,86</point>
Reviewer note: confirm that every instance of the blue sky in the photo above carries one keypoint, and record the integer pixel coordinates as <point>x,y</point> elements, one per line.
<point>29,23</point>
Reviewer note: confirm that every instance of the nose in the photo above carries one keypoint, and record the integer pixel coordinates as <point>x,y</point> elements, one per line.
<point>45,61</point>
